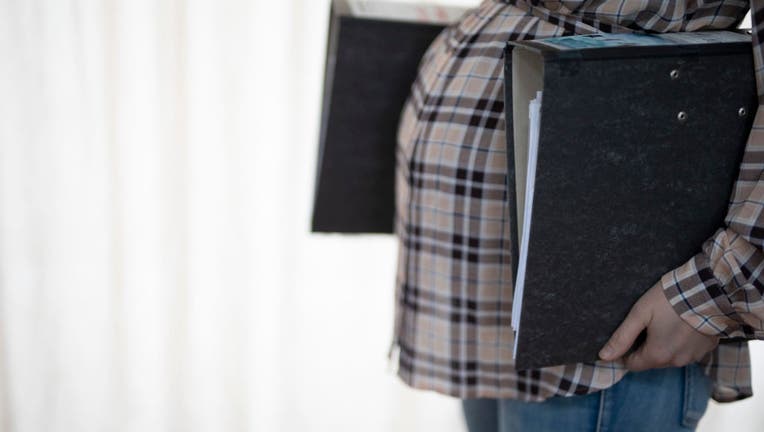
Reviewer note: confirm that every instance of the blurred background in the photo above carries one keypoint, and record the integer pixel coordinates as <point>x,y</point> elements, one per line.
<point>157,273</point>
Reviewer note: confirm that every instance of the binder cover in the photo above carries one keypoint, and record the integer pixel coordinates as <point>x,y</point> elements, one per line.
<point>639,146</point>
<point>373,52</point>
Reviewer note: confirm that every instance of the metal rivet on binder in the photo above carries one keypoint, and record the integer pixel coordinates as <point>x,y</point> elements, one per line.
<point>682,116</point>
<point>742,112</point>
<point>674,74</point>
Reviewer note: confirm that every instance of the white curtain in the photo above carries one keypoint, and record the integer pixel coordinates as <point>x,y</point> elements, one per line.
<point>156,270</point>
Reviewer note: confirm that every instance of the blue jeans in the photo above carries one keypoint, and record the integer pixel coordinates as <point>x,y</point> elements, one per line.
<point>672,399</point>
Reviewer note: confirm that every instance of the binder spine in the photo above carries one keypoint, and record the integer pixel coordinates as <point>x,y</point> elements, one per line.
<point>510,180</point>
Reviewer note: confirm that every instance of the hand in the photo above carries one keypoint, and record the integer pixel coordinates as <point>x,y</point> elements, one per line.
<point>670,341</point>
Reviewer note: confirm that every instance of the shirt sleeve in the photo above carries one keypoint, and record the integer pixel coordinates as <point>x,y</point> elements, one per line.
<point>720,291</point>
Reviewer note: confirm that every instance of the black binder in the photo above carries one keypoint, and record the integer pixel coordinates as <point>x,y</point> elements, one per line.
<point>371,63</point>
<point>639,144</point>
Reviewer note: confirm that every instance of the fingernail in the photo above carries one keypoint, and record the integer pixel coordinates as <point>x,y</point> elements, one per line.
<point>606,353</point>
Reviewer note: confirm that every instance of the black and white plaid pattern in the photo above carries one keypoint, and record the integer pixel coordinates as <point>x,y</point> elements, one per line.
<point>454,284</point>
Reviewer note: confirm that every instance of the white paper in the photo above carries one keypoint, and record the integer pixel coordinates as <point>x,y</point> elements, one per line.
<point>534,115</point>
<point>415,12</point>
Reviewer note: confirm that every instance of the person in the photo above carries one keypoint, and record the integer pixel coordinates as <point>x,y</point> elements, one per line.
<point>453,287</point>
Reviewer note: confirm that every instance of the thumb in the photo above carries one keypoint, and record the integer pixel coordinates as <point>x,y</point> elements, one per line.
<point>625,335</point>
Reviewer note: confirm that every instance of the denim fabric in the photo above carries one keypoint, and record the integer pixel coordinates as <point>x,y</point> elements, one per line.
<point>672,399</point>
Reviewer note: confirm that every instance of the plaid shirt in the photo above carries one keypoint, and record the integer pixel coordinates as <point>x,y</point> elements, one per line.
<point>454,285</point>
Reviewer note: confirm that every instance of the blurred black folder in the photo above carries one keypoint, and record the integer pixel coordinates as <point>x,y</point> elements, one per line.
<point>373,52</point>
<point>638,140</point>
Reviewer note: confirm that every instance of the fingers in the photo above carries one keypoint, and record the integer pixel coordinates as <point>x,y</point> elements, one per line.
<point>655,353</point>
<point>649,357</point>
<point>625,335</point>
<point>637,361</point>
<point>670,341</point>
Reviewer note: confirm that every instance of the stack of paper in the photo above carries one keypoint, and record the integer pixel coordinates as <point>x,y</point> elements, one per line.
<point>534,116</point>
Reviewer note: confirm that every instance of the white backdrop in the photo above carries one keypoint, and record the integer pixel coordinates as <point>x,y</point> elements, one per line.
<point>156,270</point>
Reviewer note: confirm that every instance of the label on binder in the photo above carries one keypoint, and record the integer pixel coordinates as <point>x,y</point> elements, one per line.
<point>610,40</point>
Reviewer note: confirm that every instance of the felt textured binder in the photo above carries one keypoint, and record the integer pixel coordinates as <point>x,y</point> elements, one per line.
<point>373,52</point>
<point>639,143</point>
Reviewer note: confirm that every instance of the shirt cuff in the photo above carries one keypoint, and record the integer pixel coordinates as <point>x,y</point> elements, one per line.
<point>697,291</point>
